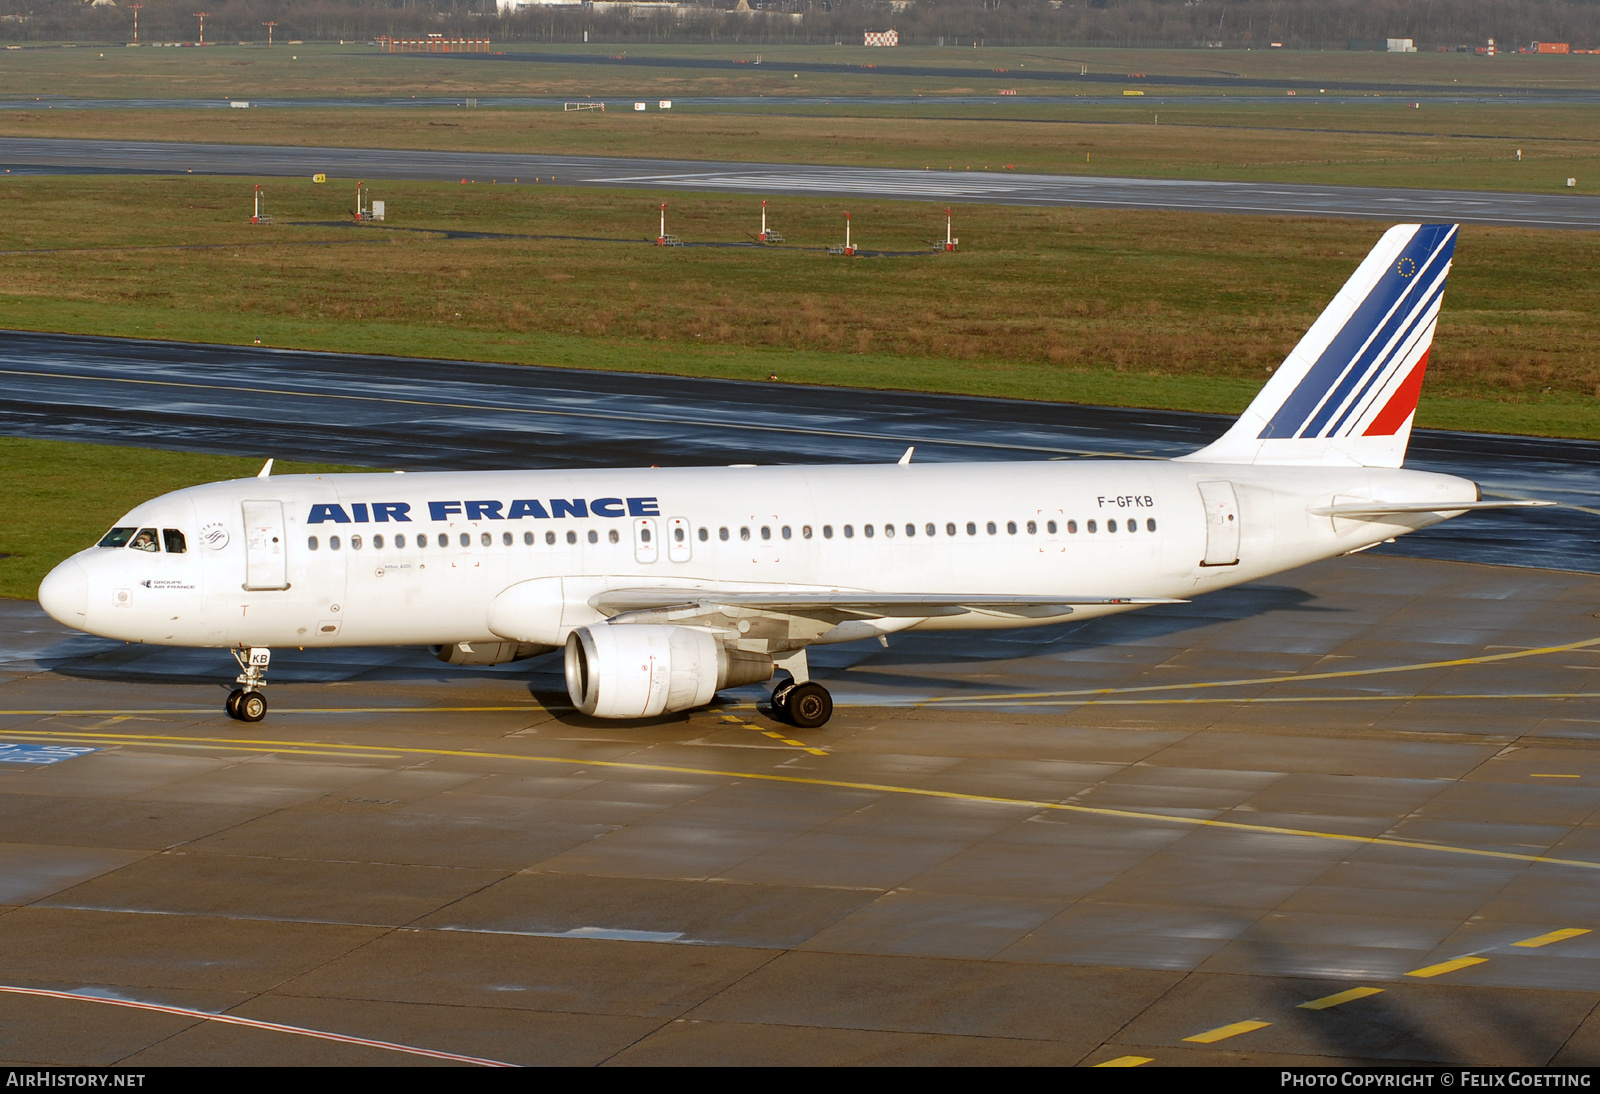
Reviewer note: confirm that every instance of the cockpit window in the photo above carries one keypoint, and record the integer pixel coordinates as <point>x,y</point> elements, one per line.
<point>174,541</point>
<point>145,541</point>
<point>118,537</point>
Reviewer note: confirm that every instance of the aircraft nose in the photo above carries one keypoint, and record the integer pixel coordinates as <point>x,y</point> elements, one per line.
<point>64,594</point>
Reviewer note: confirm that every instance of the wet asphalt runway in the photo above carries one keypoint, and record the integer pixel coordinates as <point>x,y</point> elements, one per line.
<point>20,155</point>
<point>419,414</point>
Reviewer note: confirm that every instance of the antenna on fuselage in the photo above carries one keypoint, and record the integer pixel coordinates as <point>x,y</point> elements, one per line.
<point>907,457</point>
<point>266,470</point>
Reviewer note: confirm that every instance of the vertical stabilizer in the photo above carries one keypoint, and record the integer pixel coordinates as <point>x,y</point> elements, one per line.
<point>1347,393</point>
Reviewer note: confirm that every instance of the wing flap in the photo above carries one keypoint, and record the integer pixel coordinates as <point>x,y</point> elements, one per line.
<point>858,604</point>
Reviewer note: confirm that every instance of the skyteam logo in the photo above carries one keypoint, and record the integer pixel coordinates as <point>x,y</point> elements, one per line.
<point>384,512</point>
<point>1367,371</point>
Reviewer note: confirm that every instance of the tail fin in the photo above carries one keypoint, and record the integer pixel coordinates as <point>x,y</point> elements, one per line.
<point>1348,392</point>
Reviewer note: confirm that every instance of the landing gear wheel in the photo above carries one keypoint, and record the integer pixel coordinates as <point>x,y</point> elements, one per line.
<point>780,700</point>
<point>232,705</point>
<point>251,707</point>
<point>808,706</point>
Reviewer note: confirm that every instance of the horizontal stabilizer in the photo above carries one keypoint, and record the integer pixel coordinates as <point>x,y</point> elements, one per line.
<point>1358,509</point>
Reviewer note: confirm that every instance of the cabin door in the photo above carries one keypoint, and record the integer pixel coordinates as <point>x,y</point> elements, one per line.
<point>266,559</point>
<point>1222,524</point>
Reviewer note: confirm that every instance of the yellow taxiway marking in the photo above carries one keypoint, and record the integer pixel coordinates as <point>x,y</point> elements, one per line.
<point>209,712</point>
<point>1126,1061</point>
<point>1536,775</point>
<point>980,700</point>
<point>1222,1033</point>
<point>735,720</point>
<point>1429,971</point>
<point>1341,997</point>
<point>1342,674</point>
<point>1554,936</point>
<point>260,745</point>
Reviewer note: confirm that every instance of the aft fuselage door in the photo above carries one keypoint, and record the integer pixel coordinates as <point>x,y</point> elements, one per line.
<point>678,539</point>
<point>1222,524</point>
<point>266,560</point>
<point>645,547</point>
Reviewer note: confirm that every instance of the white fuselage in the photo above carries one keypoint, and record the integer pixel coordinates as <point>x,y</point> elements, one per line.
<point>319,576</point>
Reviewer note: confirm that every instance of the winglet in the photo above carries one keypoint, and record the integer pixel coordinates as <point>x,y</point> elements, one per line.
<point>266,470</point>
<point>907,457</point>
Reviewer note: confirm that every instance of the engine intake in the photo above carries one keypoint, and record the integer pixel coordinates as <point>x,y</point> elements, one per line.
<point>642,670</point>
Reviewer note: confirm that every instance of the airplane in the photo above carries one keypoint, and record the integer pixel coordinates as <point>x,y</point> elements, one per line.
<point>663,586</point>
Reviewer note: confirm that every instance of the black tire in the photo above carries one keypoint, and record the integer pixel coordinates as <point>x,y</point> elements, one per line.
<point>251,707</point>
<point>232,705</point>
<point>809,706</point>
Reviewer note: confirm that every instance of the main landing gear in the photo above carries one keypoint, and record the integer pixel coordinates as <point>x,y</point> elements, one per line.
<point>246,703</point>
<point>798,700</point>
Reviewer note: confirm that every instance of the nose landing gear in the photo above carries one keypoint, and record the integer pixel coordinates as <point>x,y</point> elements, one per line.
<point>246,703</point>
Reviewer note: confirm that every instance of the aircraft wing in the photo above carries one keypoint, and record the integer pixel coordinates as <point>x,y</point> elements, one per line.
<point>1358,509</point>
<point>851,605</point>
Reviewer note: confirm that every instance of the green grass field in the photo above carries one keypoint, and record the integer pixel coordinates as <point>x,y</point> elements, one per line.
<point>60,497</point>
<point>1132,308</point>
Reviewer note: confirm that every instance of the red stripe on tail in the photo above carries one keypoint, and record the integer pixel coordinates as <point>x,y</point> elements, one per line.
<point>1401,404</point>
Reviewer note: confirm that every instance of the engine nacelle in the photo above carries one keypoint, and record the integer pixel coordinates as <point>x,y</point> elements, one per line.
<point>487,653</point>
<point>642,670</point>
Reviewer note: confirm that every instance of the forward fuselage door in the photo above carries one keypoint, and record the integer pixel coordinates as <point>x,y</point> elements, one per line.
<point>266,559</point>
<point>1222,523</point>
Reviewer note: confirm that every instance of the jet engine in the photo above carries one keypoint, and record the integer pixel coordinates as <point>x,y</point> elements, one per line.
<point>642,670</point>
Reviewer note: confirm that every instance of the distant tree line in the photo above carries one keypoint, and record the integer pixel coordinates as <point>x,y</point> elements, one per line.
<point>1298,24</point>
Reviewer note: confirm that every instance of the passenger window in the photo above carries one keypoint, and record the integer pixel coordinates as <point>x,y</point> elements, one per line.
<point>422,540</point>
<point>1011,527</point>
<point>744,533</point>
<point>1072,527</point>
<point>333,543</point>
<point>705,534</point>
<point>311,543</point>
<point>827,531</point>
<point>1092,528</point>
<point>644,535</point>
<point>766,532</point>
<point>572,537</point>
<point>1150,525</point>
<point>722,534</point>
<point>849,532</point>
<point>377,543</point>
<point>594,537</point>
<point>911,529</point>
<point>466,539</point>
<point>1111,526</point>
<point>174,541</point>
<point>677,535</point>
<point>444,539</point>
<point>1133,526</point>
<point>950,529</point>
<point>486,539</point>
<point>527,539</point>
<point>399,540</point>
<point>888,530</point>
<point>993,529</point>
<point>787,534</point>
<point>355,543</point>
<point>805,531</point>
<point>932,529</point>
<point>1050,527</point>
<point>118,537</point>
<point>613,537</point>
<point>1033,528</point>
<point>549,539</point>
<point>866,530</point>
<point>505,538</point>
<point>146,541</point>
<point>972,528</point>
